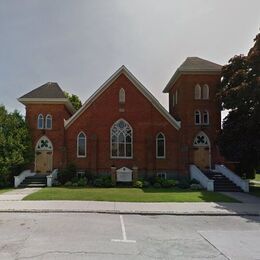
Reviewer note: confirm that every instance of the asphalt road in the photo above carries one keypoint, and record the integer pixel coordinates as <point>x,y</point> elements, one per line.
<point>105,236</point>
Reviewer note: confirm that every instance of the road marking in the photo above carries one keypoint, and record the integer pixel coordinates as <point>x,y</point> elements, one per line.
<point>124,240</point>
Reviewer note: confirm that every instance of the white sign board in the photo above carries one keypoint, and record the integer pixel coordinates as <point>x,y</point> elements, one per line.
<point>124,175</point>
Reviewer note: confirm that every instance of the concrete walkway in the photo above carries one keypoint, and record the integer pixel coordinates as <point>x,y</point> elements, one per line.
<point>11,202</point>
<point>17,194</point>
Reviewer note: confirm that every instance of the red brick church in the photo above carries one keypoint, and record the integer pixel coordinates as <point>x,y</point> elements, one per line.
<point>123,125</point>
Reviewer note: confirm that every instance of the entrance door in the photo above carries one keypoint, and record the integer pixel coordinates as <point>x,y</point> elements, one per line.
<point>43,161</point>
<point>201,148</point>
<point>43,155</point>
<point>201,157</point>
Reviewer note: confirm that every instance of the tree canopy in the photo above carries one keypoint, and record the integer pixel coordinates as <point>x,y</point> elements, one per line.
<point>239,92</point>
<point>15,145</point>
<point>74,99</point>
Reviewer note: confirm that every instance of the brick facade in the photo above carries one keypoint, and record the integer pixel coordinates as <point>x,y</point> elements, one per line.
<point>146,120</point>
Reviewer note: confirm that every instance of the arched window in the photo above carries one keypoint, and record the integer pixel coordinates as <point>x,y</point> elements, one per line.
<point>205,92</point>
<point>176,97</point>
<point>160,146</point>
<point>48,122</point>
<point>197,117</point>
<point>121,96</point>
<point>81,145</point>
<point>205,117</point>
<point>201,139</point>
<point>197,92</point>
<point>40,121</point>
<point>173,100</point>
<point>121,136</point>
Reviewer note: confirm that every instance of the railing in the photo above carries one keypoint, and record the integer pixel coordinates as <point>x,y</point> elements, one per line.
<point>19,179</point>
<point>243,184</point>
<point>202,178</point>
<point>52,177</point>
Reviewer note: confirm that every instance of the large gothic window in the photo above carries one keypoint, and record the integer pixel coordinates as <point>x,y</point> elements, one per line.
<point>40,121</point>
<point>81,145</point>
<point>121,140</point>
<point>160,146</point>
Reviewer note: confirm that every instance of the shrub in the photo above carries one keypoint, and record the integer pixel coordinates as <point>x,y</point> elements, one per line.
<point>157,185</point>
<point>75,184</point>
<point>183,184</point>
<point>195,186</point>
<point>107,182</point>
<point>138,184</point>
<point>68,184</point>
<point>66,174</point>
<point>146,184</point>
<point>193,181</point>
<point>89,176</point>
<point>98,182</point>
<point>82,182</point>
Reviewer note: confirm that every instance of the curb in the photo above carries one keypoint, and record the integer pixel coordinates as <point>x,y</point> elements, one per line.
<point>145,213</point>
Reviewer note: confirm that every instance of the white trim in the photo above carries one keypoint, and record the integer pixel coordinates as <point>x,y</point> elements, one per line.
<point>195,112</point>
<point>138,85</point>
<point>164,146</point>
<point>64,101</point>
<point>50,116</point>
<point>42,119</point>
<point>85,145</point>
<point>132,142</point>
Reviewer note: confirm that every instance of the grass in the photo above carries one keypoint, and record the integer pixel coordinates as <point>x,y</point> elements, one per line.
<point>257,177</point>
<point>4,190</point>
<point>128,195</point>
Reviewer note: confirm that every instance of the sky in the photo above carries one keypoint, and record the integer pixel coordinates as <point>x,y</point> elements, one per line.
<point>80,43</point>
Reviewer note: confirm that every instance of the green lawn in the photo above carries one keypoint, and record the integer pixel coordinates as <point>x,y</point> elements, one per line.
<point>128,195</point>
<point>4,190</point>
<point>257,177</point>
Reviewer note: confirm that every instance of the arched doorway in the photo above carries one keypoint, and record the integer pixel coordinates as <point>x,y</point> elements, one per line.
<point>43,155</point>
<point>201,147</point>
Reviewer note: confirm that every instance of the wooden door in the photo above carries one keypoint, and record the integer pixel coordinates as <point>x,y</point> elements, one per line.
<point>43,161</point>
<point>201,157</point>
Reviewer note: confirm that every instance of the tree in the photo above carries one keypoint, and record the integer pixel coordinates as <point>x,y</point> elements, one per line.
<point>75,101</point>
<point>15,145</point>
<point>239,92</point>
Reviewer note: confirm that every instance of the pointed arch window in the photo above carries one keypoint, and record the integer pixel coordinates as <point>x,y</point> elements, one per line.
<point>48,122</point>
<point>173,100</point>
<point>201,139</point>
<point>197,92</point>
<point>40,121</point>
<point>205,92</point>
<point>121,136</point>
<point>205,117</point>
<point>160,146</point>
<point>176,97</point>
<point>122,96</point>
<point>81,145</point>
<point>197,117</point>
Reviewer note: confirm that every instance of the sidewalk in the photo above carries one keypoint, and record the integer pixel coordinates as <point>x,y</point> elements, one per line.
<point>251,206</point>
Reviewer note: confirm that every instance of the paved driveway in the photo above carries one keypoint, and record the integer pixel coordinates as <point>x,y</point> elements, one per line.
<point>105,236</point>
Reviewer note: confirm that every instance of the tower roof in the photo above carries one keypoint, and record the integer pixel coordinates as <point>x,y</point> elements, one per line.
<point>47,90</point>
<point>193,65</point>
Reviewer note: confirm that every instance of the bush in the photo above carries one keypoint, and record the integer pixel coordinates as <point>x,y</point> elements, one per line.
<point>75,184</point>
<point>183,184</point>
<point>193,181</point>
<point>82,182</point>
<point>146,184</point>
<point>157,185</point>
<point>138,184</point>
<point>68,184</point>
<point>195,186</point>
<point>107,182</point>
<point>98,182</point>
<point>67,174</point>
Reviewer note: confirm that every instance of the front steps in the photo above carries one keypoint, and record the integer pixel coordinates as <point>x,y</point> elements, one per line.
<point>36,181</point>
<point>221,182</point>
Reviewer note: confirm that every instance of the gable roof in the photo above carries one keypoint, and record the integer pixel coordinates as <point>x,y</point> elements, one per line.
<point>138,85</point>
<point>48,93</point>
<point>193,65</point>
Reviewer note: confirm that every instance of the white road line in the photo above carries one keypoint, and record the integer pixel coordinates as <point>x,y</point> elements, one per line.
<point>124,240</point>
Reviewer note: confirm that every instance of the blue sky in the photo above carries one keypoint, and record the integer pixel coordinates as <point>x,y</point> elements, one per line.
<point>79,44</point>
